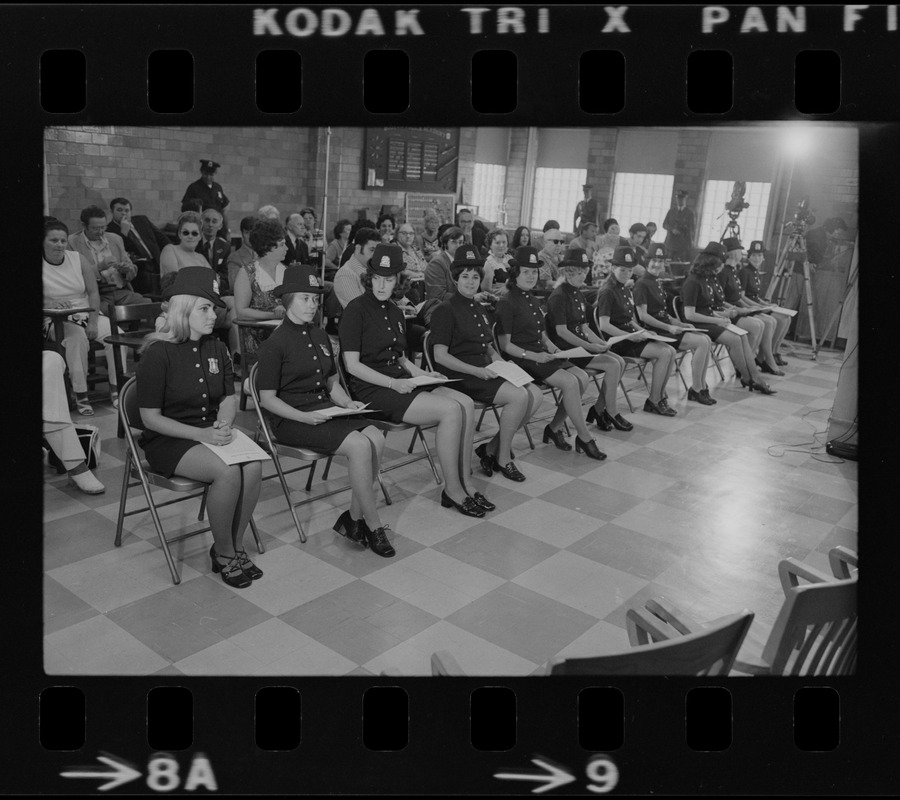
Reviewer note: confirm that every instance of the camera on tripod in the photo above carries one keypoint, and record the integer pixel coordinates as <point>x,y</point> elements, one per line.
<point>737,203</point>
<point>803,217</point>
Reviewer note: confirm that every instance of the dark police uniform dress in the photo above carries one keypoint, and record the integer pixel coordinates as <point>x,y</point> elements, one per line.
<point>649,291</point>
<point>207,195</point>
<point>749,280</point>
<point>462,325</point>
<point>616,301</point>
<point>377,331</point>
<point>186,382</point>
<point>705,294</point>
<point>731,287</point>
<point>296,362</point>
<point>567,306</point>
<point>519,315</point>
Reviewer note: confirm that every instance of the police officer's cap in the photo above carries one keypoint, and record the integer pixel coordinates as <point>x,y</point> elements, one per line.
<point>575,257</point>
<point>527,256</point>
<point>196,281</point>
<point>756,247</point>
<point>714,249</point>
<point>302,279</point>
<point>387,260</point>
<point>656,250</point>
<point>208,166</point>
<point>624,257</point>
<point>467,255</point>
<point>732,243</point>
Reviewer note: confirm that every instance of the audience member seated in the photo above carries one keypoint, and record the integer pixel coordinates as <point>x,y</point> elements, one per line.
<point>296,382</point>
<point>637,235</point>
<point>337,245</point>
<point>386,226</point>
<point>761,326</point>
<point>310,221</point>
<point>496,264</point>
<point>428,240</point>
<point>651,232</point>
<point>438,281</point>
<point>244,254</point>
<point>66,452</point>
<point>465,221</point>
<point>611,237</point>
<point>268,212</point>
<point>550,256</point>
<point>69,282</point>
<point>463,348</point>
<point>523,337</point>
<point>521,238</point>
<point>143,242</point>
<point>213,248</point>
<point>106,255</point>
<point>748,275</point>
<point>348,283</point>
<point>374,354</point>
<point>616,317</point>
<point>650,299</point>
<point>255,296</point>
<point>185,392</point>
<point>414,263</point>
<point>568,326</point>
<point>185,253</point>
<point>295,239</point>
<point>587,238</point>
<point>704,307</point>
<point>208,193</point>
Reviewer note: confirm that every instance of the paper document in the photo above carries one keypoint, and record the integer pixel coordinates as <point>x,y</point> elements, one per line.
<point>660,338</point>
<point>269,323</point>
<point>621,338</point>
<point>790,312</point>
<point>337,411</point>
<point>241,448</point>
<point>510,372</point>
<point>735,329</point>
<point>574,352</point>
<point>428,380</point>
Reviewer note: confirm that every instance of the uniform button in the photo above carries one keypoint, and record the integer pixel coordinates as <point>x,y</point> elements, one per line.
<point>198,366</point>
<point>309,345</point>
<point>201,380</point>
<point>203,395</point>
<point>318,370</point>
<point>203,408</point>
<point>195,349</point>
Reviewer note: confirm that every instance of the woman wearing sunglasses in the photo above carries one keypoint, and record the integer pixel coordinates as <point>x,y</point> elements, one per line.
<point>175,256</point>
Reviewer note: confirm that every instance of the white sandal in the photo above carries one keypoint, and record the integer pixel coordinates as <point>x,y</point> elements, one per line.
<point>87,483</point>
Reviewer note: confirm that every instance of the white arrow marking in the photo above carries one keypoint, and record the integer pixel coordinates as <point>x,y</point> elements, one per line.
<point>121,774</point>
<point>556,777</point>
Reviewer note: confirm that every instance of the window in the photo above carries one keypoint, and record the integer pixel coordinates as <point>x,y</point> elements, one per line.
<point>714,218</point>
<point>488,188</point>
<point>556,193</point>
<point>641,197</point>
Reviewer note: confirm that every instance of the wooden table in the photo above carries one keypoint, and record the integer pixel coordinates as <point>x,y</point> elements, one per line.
<point>60,315</point>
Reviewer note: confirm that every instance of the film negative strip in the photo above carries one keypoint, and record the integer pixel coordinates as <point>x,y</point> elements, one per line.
<point>121,681</point>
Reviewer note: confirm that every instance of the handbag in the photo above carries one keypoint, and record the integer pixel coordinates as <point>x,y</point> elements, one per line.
<point>89,438</point>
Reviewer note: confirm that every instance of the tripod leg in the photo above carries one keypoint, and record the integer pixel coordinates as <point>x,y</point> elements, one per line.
<point>810,310</point>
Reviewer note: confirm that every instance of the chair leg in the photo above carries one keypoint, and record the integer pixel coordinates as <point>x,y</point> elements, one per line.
<point>412,442</point>
<point>481,418</point>
<point>528,436</point>
<point>716,360</point>
<point>287,496</point>
<point>123,497</point>
<point>120,382</point>
<point>557,399</point>
<point>678,363</point>
<point>627,397</point>
<point>327,467</point>
<point>243,402</point>
<point>312,472</point>
<point>437,478</point>
<point>643,378</point>
<point>384,491</point>
<point>260,547</point>
<point>176,578</point>
<point>202,505</point>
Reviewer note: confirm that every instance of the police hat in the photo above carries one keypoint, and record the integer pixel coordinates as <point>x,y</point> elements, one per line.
<point>196,281</point>
<point>209,166</point>
<point>302,279</point>
<point>656,250</point>
<point>756,247</point>
<point>575,257</point>
<point>624,257</point>
<point>682,193</point>
<point>387,260</point>
<point>527,256</point>
<point>714,249</point>
<point>732,243</point>
<point>467,255</point>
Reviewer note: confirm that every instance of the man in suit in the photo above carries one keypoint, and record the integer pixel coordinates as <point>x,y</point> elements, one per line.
<point>295,231</point>
<point>143,242</point>
<point>212,247</point>
<point>465,221</point>
<point>208,192</point>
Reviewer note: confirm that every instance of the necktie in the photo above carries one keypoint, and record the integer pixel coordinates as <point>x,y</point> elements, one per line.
<point>136,240</point>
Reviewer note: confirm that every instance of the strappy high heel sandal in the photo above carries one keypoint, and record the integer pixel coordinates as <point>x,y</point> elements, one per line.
<point>250,569</point>
<point>231,571</point>
<point>83,406</point>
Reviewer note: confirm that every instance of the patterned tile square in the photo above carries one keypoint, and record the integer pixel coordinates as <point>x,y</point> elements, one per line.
<point>62,608</point>
<point>547,522</point>
<point>496,549</point>
<point>601,502</point>
<point>98,646</point>
<point>627,551</point>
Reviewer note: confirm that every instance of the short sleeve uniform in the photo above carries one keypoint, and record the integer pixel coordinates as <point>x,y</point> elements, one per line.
<point>567,306</point>
<point>377,331</point>
<point>705,294</point>
<point>463,327</point>
<point>187,382</point>
<point>615,300</point>
<point>519,315</point>
<point>749,280</point>
<point>731,287</point>
<point>296,362</point>
<point>649,291</point>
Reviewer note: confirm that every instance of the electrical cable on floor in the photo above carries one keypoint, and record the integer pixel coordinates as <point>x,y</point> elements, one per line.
<point>812,448</point>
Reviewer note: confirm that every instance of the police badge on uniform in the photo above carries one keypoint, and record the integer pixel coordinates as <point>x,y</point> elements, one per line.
<point>213,366</point>
<point>325,350</point>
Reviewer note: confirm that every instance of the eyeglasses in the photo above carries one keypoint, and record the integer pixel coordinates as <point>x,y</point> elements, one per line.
<point>189,233</point>
<point>556,241</point>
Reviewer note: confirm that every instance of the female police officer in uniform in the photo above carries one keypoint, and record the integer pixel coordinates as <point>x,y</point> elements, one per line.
<point>523,336</point>
<point>373,345</point>
<point>567,326</point>
<point>461,334</point>
<point>185,392</point>
<point>296,378</point>
<point>615,316</point>
<point>748,275</point>
<point>650,299</point>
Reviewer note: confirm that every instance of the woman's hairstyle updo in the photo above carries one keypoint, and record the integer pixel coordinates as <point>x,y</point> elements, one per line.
<point>706,264</point>
<point>493,234</point>
<point>186,217</point>
<point>401,286</point>
<point>265,235</point>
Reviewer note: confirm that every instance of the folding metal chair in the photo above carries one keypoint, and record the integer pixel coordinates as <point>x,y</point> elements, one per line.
<point>636,361</point>
<point>266,439</point>
<point>718,351</point>
<point>138,473</point>
<point>247,360</point>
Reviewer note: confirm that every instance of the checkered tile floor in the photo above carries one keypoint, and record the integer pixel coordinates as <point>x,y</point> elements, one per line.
<point>692,507</point>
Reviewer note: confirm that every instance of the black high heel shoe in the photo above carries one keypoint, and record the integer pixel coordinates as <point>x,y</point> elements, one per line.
<point>557,438</point>
<point>762,388</point>
<point>349,527</point>
<point>764,367</point>
<point>468,507</point>
<point>377,540</point>
<point>700,397</point>
<point>486,461</point>
<point>619,422</point>
<point>603,419</point>
<point>590,449</point>
<point>232,573</point>
<point>483,502</point>
<point>510,471</point>
<point>250,569</point>
<point>780,361</point>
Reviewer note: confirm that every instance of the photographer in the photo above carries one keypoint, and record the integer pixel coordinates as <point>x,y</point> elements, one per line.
<point>679,224</point>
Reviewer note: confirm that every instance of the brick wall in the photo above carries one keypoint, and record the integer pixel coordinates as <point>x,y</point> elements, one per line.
<point>601,166</point>
<point>89,165</point>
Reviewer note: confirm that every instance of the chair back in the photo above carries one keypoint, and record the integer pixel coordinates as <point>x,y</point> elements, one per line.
<point>428,351</point>
<point>260,414</point>
<point>678,307</point>
<point>816,630</point>
<point>597,327</point>
<point>710,652</point>
<point>342,373</point>
<point>130,316</point>
<point>129,411</point>
<point>495,340</point>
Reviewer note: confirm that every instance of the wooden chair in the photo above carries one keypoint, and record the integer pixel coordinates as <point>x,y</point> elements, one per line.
<point>718,351</point>
<point>428,356</point>
<point>843,561</point>
<point>138,473</point>
<point>266,439</point>
<point>135,322</point>
<point>710,651</point>
<point>815,632</point>
<point>247,359</point>
<point>388,427</point>
<point>636,361</point>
